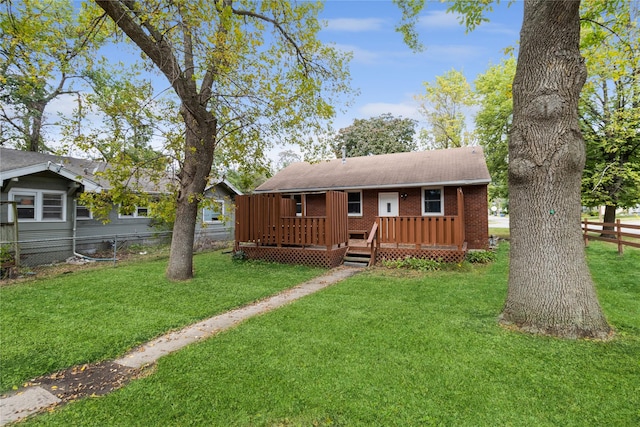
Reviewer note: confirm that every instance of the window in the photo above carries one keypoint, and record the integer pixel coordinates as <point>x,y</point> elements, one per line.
<point>138,212</point>
<point>298,199</point>
<point>354,203</point>
<point>432,201</point>
<point>26,204</point>
<point>39,205</point>
<point>52,206</point>
<point>213,213</point>
<point>83,212</point>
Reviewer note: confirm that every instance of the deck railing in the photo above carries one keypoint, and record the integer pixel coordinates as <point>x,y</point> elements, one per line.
<point>420,230</point>
<point>269,219</point>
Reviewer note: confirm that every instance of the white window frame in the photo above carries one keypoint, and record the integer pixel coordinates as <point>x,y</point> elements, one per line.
<point>222,211</point>
<point>38,204</point>
<point>83,218</point>
<point>422,201</point>
<point>354,214</point>
<point>134,214</point>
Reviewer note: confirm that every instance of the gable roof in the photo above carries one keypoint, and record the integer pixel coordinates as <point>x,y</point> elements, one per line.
<point>17,163</point>
<point>455,166</point>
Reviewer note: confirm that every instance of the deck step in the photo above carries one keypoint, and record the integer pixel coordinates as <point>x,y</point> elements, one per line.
<point>356,259</point>
<point>356,264</point>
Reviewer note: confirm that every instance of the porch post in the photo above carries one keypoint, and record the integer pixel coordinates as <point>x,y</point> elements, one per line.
<point>278,220</point>
<point>461,224</point>
<point>329,219</point>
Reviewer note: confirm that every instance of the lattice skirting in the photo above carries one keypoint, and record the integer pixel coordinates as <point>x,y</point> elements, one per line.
<point>311,257</point>
<point>444,255</point>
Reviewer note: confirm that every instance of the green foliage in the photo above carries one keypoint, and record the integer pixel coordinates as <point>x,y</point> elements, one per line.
<point>481,257</point>
<point>443,105</point>
<point>610,104</point>
<point>44,47</point>
<point>239,256</point>
<point>383,134</point>
<point>493,121</point>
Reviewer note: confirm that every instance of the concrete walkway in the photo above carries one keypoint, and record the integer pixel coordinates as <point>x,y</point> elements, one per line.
<point>33,399</point>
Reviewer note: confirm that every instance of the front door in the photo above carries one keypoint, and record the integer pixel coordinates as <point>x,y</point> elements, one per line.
<point>388,204</point>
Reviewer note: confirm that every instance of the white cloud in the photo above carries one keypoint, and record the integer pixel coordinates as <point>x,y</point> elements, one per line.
<point>438,20</point>
<point>354,25</point>
<point>360,55</point>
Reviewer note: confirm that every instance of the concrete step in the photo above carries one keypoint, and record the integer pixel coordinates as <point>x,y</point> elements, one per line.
<point>356,264</point>
<point>357,258</point>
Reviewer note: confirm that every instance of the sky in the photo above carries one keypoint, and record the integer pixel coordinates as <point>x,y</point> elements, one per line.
<point>388,74</point>
<point>385,71</point>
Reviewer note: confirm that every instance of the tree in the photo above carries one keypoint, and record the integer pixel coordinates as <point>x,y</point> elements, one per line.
<point>286,157</point>
<point>377,135</point>
<point>493,92</point>
<point>243,74</point>
<point>550,288</point>
<point>610,106</point>
<point>44,47</point>
<point>443,105</point>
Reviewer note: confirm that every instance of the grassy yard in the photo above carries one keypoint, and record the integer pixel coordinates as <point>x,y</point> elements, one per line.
<point>88,316</point>
<point>392,348</point>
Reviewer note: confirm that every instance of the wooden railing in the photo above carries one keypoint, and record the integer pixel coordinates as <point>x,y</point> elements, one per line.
<point>269,219</point>
<point>374,242</point>
<point>615,234</point>
<point>421,230</point>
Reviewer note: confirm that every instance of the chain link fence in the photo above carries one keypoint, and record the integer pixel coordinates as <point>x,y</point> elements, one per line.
<point>18,256</point>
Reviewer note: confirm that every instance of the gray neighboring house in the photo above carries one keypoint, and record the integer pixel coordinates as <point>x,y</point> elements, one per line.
<point>51,226</point>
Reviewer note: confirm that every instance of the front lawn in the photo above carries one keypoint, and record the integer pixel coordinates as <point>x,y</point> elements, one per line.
<point>88,316</point>
<point>391,348</point>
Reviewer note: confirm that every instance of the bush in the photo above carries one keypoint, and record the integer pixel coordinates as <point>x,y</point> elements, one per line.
<point>481,257</point>
<point>239,256</point>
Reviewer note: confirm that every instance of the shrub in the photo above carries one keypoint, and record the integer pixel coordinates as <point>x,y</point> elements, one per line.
<point>481,257</point>
<point>239,256</point>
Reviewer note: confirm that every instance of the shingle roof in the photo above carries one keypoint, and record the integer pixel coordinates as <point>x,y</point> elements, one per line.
<point>455,166</point>
<point>18,163</point>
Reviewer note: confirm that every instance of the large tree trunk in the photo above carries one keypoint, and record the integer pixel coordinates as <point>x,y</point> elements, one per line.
<point>550,287</point>
<point>198,158</point>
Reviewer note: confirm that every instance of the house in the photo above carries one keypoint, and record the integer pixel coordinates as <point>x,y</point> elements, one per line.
<point>428,204</point>
<point>40,191</point>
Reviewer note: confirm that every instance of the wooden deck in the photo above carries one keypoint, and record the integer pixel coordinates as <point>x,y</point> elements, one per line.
<point>267,228</point>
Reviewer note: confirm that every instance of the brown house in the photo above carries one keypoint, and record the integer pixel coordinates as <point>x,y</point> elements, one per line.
<point>431,204</point>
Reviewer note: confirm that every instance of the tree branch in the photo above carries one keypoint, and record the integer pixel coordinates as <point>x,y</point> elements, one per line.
<point>299,54</point>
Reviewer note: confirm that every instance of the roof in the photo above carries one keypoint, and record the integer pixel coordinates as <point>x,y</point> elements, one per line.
<point>455,166</point>
<point>17,163</point>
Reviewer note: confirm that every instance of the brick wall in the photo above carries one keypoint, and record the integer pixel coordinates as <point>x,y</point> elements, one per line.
<point>476,208</point>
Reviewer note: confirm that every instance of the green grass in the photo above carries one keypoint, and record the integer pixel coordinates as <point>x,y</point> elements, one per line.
<point>390,348</point>
<point>88,316</point>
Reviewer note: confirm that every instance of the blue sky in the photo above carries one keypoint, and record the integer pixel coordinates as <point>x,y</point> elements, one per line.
<point>388,74</point>
<point>385,71</point>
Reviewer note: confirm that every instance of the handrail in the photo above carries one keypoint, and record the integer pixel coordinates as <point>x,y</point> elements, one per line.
<point>373,234</point>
